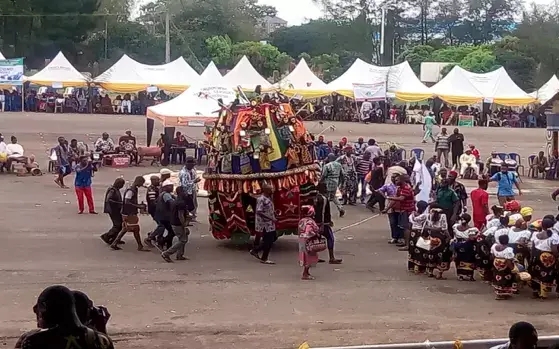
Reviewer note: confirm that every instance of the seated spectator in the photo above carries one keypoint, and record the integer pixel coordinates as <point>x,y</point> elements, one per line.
<point>104,144</point>
<point>15,152</point>
<point>117,105</point>
<point>468,160</point>
<point>136,106</point>
<point>474,151</point>
<point>540,163</point>
<point>127,144</point>
<point>76,150</point>
<point>127,104</point>
<point>60,325</point>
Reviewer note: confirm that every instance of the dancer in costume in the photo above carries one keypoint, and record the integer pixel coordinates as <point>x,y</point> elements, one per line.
<point>504,269</point>
<point>543,263</point>
<point>440,254</point>
<point>519,237</point>
<point>349,184</point>
<point>464,248</point>
<point>419,244</point>
<point>308,232</point>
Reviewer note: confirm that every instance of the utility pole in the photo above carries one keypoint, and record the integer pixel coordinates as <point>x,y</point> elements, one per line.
<point>106,38</point>
<point>382,35</point>
<point>167,38</point>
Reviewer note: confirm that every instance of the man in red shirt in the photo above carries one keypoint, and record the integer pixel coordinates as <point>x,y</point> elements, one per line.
<point>480,203</point>
<point>474,151</point>
<point>405,200</point>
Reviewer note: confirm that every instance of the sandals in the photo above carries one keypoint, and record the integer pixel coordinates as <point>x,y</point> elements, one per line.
<point>269,262</point>
<point>307,277</point>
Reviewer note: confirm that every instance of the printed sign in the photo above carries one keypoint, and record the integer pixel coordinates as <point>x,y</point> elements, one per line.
<point>369,92</point>
<point>11,71</point>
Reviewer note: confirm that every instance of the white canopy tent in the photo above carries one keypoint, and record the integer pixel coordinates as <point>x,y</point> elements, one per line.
<point>244,75</point>
<point>401,81</point>
<point>547,91</point>
<point>128,75</point>
<point>198,104</point>
<point>59,73</point>
<point>302,81</point>
<point>2,56</point>
<point>462,87</point>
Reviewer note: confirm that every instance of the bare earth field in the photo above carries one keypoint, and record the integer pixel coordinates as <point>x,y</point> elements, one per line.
<point>223,298</point>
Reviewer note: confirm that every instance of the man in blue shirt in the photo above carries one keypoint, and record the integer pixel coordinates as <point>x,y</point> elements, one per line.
<point>84,172</point>
<point>505,181</point>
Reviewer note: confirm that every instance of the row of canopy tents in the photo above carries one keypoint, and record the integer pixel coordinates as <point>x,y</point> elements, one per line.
<point>459,86</point>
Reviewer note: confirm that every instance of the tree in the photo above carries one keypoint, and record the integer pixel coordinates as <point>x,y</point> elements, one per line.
<point>64,25</point>
<point>327,66</point>
<point>265,58</point>
<point>219,49</point>
<point>479,61</point>
<point>416,55</point>
<point>521,68</point>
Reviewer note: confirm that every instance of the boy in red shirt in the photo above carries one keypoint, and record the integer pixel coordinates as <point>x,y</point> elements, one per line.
<point>480,203</point>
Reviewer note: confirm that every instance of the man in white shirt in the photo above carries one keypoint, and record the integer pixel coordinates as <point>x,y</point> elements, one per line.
<point>2,145</point>
<point>468,160</point>
<point>15,153</point>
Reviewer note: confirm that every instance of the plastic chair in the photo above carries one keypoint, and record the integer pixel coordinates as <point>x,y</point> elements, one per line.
<point>418,153</point>
<point>402,154</point>
<point>502,156</point>
<point>516,157</point>
<point>531,170</point>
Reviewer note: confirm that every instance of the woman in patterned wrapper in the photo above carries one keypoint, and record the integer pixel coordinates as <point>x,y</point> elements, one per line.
<point>544,259</point>
<point>308,230</point>
<point>504,280</point>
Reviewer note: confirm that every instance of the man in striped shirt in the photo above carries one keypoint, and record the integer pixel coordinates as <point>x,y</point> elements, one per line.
<point>363,167</point>
<point>442,146</point>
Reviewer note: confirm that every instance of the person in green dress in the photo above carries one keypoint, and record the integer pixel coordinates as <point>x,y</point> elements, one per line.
<point>428,123</point>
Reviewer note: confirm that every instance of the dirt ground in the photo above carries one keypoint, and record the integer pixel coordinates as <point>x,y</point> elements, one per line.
<point>223,298</point>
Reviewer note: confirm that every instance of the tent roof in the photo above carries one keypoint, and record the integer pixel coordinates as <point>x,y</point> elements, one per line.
<point>244,75</point>
<point>401,80</point>
<point>548,90</point>
<point>59,70</point>
<point>211,73</point>
<point>456,88</point>
<point>302,81</point>
<point>128,75</point>
<point>2,56</point>
<point>198,103</point>
<point>464,87</point>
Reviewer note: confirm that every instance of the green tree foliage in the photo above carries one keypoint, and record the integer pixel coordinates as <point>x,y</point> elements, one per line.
<point>219,49</point>
<point>416,55</point>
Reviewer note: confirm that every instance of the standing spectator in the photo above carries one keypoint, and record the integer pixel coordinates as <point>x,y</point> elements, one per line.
<point>323,218</point>
<point>522,335</point>
<point>84,172</point>
<point>189,180</point>
<point>152,193</point>
<point>62,157</point>
<point>456,141</point>
<point>505,181</point>
<point>374,149</point>
<point>442,146</point>
<point>480,204</point>
<point>363,167</point>
<point>265,224</point>
<point>113,206</point>
<point>163,209</point>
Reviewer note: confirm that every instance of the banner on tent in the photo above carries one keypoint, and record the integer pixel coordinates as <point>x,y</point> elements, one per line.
<point>11,71</point>
<point>466,120</point>
<point>217,92</point>
<point>369,92</point>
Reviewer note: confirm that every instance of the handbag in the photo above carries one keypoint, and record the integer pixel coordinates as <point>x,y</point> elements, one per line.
<point>316,245</point>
